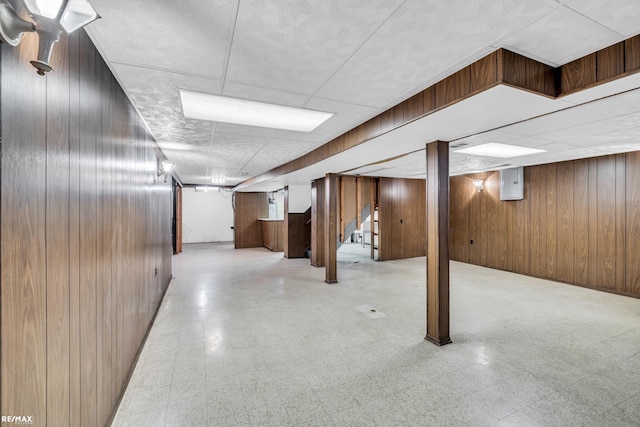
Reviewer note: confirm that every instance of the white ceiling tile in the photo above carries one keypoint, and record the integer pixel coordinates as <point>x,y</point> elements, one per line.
<point>155,95</point>
<point>561,37</point>
<point>191,37</point>
<point>355,58</point>
<point>423,42</point>
<point>296,45</point>
<point>261,94</point>
<point>621,16</point>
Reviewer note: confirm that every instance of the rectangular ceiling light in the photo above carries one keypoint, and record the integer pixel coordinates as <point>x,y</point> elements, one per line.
<point>493,149</point>
<point>201,106</point>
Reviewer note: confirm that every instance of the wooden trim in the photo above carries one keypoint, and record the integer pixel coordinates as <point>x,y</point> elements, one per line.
<point>437,190</point>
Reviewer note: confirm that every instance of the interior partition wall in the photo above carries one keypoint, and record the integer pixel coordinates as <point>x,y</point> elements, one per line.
<point>579,223</point>
<point>85,252</point>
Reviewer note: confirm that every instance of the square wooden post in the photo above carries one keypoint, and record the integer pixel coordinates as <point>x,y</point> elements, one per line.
<point>438,243</point>
<point>332,197</point>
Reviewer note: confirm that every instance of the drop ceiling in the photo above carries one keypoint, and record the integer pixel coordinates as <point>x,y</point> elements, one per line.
<point>356,59</point>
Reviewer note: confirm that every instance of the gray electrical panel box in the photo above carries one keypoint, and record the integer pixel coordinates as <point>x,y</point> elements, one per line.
<point>512,184</point>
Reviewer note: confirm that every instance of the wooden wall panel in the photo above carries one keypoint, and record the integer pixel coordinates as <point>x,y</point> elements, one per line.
<point>579,223</point>
<point>632,190</point>
<point>363,188</point>
<point>632,54</point>
<point>565,228</point>
<point>298,236</point>
<point>57,232</point>
<point>519,241</point>
<point>348,204</point>
<point>578,74</point>
<point>74,232</point>
<point>402,218</point>
<point>458,220</point>
<point>606,222</point>
<point>581,220</point>
<point>610,62</point>
<point>88,230</point>
<point>592,280</point>
<point>248,208</point>
<point>621,223</point>
<point>551,221</point>
<point>78,290</point>
<point>23,295</point>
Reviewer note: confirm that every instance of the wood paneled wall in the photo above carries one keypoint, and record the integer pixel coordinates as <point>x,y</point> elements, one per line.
<point>317,223</point>
<point>248,207</point>
<point>348,204</point>
<point>363,199</point>
<point>402,218</point>
<point>579,223</point>
<point>297,235</point>
<point>85,235</point>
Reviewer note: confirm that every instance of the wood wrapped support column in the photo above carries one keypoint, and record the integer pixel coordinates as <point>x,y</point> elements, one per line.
<point>331,222</point>
<point>438,243</point>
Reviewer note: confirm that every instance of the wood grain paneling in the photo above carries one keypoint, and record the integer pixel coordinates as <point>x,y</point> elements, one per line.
<point>632,231</point>
<point>272,234</point>
<point>24,276</point>
<point>593,223</point>
<point>83,226</point>
<point>632,54</point>
<point>298,235</point>
<point>248,207</point>
<point>621,222</point>
<point>402,218</point>
<point>57,240</point>
<point>581,220</point>
<point>578,223</point>
<point>610,62</point>
<point>331,225</point>
<point>527,74</point>
<point>578,74</point>
<point>437,231</point>
<point>551,221</point>
<point>606,222</point>
<point>484,72</point>
<point>348,204</point>
<point>565,254</point>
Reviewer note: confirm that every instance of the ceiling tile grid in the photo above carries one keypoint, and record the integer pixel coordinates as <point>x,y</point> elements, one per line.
<point>355,58</point>
<point>570,35</point>
<point>190,37</point>
<point>296,45</point>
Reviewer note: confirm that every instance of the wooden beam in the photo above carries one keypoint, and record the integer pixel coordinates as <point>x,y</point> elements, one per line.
<point>438,243</point>
<point>332,197</point>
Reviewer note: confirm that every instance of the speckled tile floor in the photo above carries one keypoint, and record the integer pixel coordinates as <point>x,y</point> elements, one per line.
<point>247,337</point>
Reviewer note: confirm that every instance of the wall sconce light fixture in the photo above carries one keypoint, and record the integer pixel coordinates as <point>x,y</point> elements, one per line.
<point>166,168</point>
<point>49,19</point>
<point>479,184</point>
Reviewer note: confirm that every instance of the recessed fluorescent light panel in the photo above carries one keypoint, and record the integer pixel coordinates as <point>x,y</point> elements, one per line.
<point>493,149</point>
<point>201,106</point>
